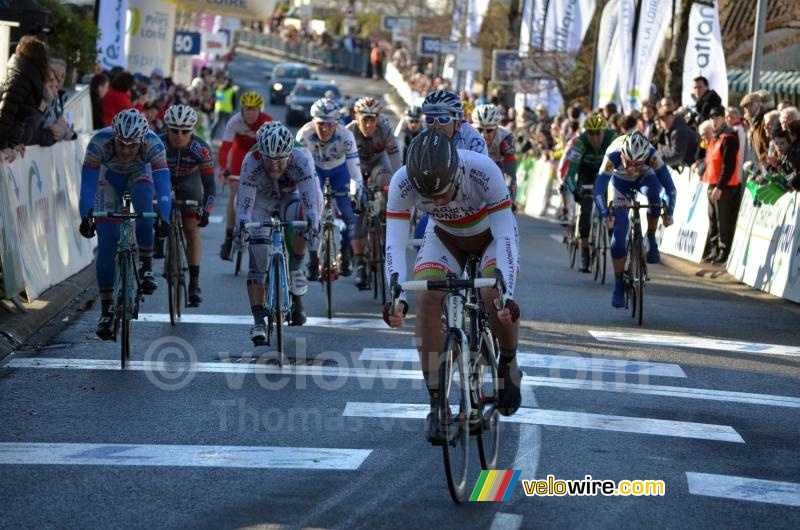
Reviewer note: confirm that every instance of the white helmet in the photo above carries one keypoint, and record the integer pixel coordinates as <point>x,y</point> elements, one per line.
<point>129,124</point>
<point>635,147</point>
<point>368,106</point>
<point>326,109</point>
<point>440,101</point>
<point>274,140</point>
<point>486,115</point>
<point>180,117</point>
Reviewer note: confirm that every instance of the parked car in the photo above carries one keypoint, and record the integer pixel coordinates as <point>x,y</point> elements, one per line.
<point>305,93</point>
<point>283,78</point>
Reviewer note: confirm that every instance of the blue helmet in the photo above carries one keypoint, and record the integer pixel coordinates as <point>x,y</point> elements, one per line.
<point>326,109</point>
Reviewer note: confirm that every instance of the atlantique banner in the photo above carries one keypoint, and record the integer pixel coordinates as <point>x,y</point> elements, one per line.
<point>704,53</point>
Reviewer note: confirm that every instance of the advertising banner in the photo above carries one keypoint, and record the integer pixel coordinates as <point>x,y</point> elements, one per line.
<point>686,238</point>
<point>42,246</point>
<point>705,55</point>
<point>606,67</point>
<point>111,43</point>
<point>649,39</point>
<point>151,36</point>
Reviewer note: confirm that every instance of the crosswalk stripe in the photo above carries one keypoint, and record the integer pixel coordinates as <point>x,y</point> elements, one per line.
<point>702,343</point>
<point>247,320</point>
<point>373,372</point>
<point>744,489</point>
<point>253,457</point>
<point>561,418</point>
<point>215,219</point>
<point>551,362</point>
<point>558,238</point>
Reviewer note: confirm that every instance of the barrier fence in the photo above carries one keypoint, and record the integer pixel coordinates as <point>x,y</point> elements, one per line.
<point>39,241</point>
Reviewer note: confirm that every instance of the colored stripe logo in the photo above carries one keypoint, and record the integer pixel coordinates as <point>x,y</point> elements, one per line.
<point>495,485</point>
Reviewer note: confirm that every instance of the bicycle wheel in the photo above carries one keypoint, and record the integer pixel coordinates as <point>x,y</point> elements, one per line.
<point>181,297</point>
<point>488,393</point>
<point>277,306</point>
<point>633,268</point>
<point>172,277</point>
<point>639,282</point>
<point>380,273</point>
<point>123,304</point>
<point>454,416</point>
<point>327,269</point>
<point>602,253</point>
<point>572,247</point>
<point>594,246</point>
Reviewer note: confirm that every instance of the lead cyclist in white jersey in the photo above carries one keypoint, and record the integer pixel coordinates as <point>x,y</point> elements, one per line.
<point>467,199</point>
<point>444,111</point>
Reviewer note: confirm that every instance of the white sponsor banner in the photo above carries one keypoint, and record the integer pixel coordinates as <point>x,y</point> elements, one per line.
<point>40,217</point>
<point>538,187</point>
<point>151,36</point>
<point>650,34</point>
<point>765,252</point>
<point>525,27</point>
<point>606,69</point>
<point>704,53</point>
<point>246,9</point>
<point>566,24</point>
<point>111,43</point>
<point>627,19</point>
<point>686,238</point>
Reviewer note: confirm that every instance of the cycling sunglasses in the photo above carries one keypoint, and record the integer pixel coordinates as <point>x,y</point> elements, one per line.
<point>326,123</point>
<point>486,129</point>
<point>276,161</point>
<point>180,131</point>
<point>442,119</point>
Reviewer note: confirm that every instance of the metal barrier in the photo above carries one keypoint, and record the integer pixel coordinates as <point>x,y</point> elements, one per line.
<point>333,58</point>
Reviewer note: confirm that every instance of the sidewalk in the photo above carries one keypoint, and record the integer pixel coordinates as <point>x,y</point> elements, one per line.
<point>43,317</point>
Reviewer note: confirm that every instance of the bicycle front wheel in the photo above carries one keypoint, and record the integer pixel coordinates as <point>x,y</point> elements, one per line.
<point>453,412</point>
<point>125,301</point>
<point>173,286</point>
<point>638,285</point>
<point>327,270</point>
<point>277,309</point>
<point>488,386</point>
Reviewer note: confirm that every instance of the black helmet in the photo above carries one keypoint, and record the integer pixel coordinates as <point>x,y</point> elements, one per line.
<point>432,162</point>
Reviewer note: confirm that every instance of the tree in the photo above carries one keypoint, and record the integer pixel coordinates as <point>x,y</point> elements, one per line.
<point>74,39</point>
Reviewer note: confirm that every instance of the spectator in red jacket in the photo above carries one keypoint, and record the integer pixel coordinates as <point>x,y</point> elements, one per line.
<point>118,96</point>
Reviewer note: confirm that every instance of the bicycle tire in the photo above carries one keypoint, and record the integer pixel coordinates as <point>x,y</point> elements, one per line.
<point>182,296</point>
<point>172,279</point>
<point>277,301</point>
<point>327,273</point>
<point>454,429</point>
<point>572,247</point>
<point>594,249</point>
<point>640,276</point>
<point>489,435</point>
<point>238,267</point>
<point>124,316</point>
<point>634,267</point>
<point>603,253</point>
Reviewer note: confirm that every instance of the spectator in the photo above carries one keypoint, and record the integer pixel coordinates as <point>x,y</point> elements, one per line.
<point>98,87</point>
<point>754,117</point>
<point>787,116</point>
<point>785,104</point>
<point>667,103</point>
<point>734,121</point>
<point>21,96</point>
<point>649,121</point>
<point>794,155</point>
<point>55,127</point>
<point>722,175</point>
<point>118,96</point>
<point>609,110</point>
<point>705,98</point>
<point>541,115</point>
<point>779,163</point>
<point>706,133</point>
<point>677,143</point>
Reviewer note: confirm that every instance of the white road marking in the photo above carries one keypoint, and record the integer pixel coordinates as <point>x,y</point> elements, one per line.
<point>744,489</point>
<point>558,238</point>
<point>551,362</point>
<point>382,372</point>
<point>506,521</point>
<point>247,320</point>
<point>215,219</point>
<point>687,341</point>
<point>181,455</point>
<point>560,418</point>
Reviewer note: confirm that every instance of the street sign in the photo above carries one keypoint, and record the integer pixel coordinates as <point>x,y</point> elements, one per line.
<point>389,23</point>
<point>187,43</point>
<point>429,45</point>
<point>469,59</point>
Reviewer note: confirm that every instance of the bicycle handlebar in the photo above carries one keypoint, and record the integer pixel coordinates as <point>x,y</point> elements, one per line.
<point>448,284</point>
<point>124,215</point>
<point>276,224</point>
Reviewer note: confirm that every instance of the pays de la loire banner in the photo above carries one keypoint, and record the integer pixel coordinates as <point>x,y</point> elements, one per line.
<point>39,209</point>
<point>151,36</point>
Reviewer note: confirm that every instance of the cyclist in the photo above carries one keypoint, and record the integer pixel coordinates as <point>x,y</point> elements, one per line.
<point>238,139</point>
<point>409,128</point>
<point>379,157</point>
<point>191,166</point>
<point>333,149</point>
<point>500,143</point>
<point>631,164</point>
<point>444,111</point>
<point>276,175</point>
<point>467,199</point>
<point>124,157</point>
<point>585,156</point>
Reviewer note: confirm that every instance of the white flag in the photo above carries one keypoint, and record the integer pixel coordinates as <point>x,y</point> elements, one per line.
<point>627,20</point>
<point>653,15</point>
<point>606,65</point>
<point>566,24</point>
<point>704,53</point>
<point>525,27</point>
<point>537,22</point>
<point>111,44</point>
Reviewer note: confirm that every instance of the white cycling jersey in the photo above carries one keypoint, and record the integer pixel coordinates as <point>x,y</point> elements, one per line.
<point>334,157</point>
<point>470,139</point>
<point>481,203</point>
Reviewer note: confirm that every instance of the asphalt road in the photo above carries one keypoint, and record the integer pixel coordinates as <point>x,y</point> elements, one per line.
<point>704,396</point>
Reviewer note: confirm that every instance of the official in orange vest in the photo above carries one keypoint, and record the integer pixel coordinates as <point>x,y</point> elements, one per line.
<point>722,175</point>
